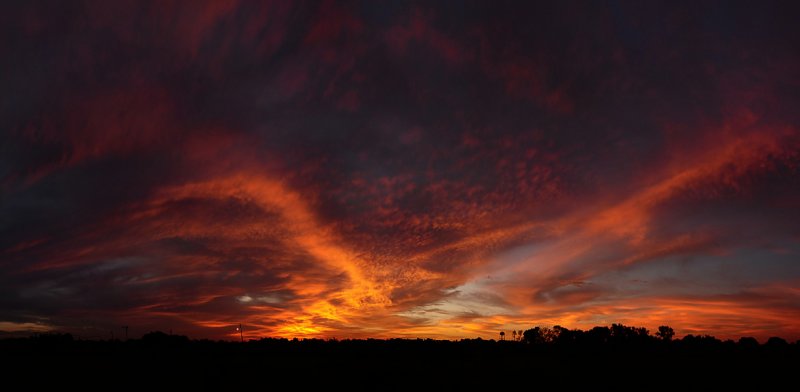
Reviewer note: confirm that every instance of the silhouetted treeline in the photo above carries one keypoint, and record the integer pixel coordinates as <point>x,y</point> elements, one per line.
<point>613,356</point>
<point>631,337</point>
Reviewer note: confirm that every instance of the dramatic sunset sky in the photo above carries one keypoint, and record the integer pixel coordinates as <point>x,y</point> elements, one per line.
<point>399,169</point>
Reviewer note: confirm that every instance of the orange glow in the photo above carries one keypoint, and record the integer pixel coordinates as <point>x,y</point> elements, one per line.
<point>348,291</point>
<point>326,172</point>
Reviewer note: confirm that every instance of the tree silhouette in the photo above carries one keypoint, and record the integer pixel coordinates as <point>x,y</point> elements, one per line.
<point>532,336</point>
<point>665,333</point>
<point>598,335</point>
<point>538,335</point>
<point>776,343</point>
<point>748,343</point>
<point>614,353</point>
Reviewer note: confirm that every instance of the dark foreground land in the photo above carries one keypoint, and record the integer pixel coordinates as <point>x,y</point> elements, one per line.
<point>561,359</point>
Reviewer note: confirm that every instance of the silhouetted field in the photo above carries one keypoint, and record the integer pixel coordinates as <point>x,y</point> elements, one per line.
<point>541,358</point>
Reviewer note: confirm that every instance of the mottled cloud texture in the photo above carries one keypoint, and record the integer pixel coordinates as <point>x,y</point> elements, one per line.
<point>392,169</point>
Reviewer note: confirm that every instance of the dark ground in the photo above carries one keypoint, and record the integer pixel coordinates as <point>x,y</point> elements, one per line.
<point>161,362</point>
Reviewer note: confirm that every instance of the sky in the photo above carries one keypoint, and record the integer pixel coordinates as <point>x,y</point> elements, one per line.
<point>384,169</point>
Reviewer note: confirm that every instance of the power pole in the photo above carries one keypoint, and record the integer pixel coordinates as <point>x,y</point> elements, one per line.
<point>125,327</point>
<point>241,333</point>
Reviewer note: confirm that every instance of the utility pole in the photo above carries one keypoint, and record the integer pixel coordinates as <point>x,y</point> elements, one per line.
<point>125,327</point>
<point>241,333</point>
